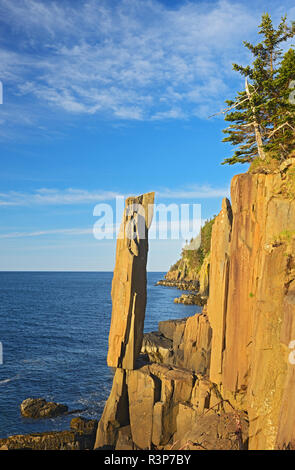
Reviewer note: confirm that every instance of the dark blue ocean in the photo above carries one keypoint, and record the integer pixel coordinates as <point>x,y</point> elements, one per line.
<point>54,332</point>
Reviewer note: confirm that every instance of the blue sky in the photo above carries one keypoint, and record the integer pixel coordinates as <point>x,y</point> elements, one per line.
<point>105,98</point>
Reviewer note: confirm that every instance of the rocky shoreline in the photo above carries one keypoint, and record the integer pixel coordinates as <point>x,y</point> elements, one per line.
<point>171,402</point>
<point>181,285</point>
<point>80,436</point>
<point>193,298</point>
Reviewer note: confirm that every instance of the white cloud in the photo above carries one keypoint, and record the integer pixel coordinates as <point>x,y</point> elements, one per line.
<point>160,229</point>
<point>174,113</point>
<point>194,192</point>
<point>71,196</point>
<point>39,233</point>
<point>46,196</point>
<point>134,60</point>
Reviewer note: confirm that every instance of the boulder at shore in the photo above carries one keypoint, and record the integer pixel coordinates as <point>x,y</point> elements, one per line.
<point>40,408</point>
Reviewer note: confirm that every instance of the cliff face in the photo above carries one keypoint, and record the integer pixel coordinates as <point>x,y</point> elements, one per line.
<point>182,271</point>
<point>251,306</point>
<point>195,260</point>
<point>232,365</point>
<point>219,272</point>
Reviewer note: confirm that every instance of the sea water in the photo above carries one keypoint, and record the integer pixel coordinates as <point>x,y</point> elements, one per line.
<point>54,333</point>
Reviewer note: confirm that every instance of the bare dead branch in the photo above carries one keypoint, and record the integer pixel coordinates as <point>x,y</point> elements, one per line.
<point>280,127</point>
<point>226,110</point>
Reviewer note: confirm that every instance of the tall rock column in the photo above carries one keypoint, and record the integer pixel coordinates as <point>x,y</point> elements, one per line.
<point>129,283</point>
<point>219,273</point>
<point>128,312</point>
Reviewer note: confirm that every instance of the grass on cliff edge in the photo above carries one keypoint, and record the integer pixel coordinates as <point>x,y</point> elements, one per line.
<point>273,165</point>
<point>269,165</point>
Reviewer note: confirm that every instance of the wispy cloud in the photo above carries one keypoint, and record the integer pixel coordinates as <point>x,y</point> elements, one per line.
<point>123,60</point>
<point>40,233</point>
<point>71,196</point>
<point>45,196</point>
<point>194,192</point>
<point>58,197</point>
<point>159,229</point>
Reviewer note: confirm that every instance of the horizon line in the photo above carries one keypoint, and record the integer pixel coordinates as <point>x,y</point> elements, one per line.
<point>63,271</point>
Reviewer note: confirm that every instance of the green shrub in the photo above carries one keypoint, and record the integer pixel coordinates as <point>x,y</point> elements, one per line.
<point>194,258</point>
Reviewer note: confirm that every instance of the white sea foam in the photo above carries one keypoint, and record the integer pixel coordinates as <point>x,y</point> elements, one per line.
<point>5,381</point>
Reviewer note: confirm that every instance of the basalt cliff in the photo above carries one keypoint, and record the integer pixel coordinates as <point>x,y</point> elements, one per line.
<point>225,378</point>
<point>222,379</point>
<point>192,269</point>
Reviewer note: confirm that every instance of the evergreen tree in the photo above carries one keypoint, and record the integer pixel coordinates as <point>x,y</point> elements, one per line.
<point>262,116</point>
<point>281,140</point>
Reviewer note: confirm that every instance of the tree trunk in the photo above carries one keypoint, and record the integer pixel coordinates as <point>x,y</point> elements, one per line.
<point>258,137</point>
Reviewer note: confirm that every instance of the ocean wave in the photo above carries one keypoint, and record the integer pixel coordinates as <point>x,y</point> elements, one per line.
<point>5,381</point>
<point>32,361</point>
